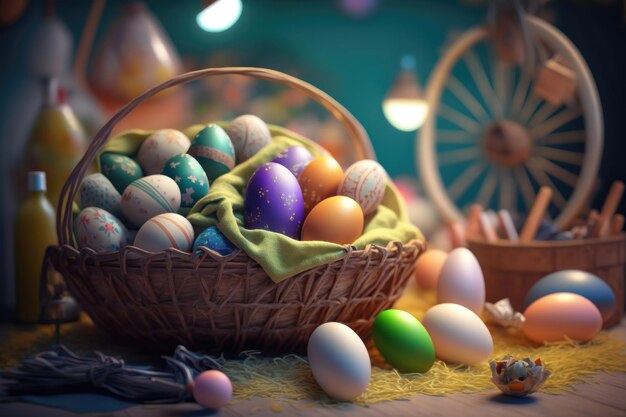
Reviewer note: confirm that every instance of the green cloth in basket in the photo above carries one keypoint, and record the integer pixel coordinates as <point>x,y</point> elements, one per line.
<point>280,256</point>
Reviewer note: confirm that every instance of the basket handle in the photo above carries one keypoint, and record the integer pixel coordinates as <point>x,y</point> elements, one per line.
<point>358,136</point>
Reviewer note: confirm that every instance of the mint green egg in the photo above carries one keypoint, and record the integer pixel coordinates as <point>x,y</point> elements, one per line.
<point>214,151</point>
<point>403,341</point>
<point>190,178</point>
<point>121,170</point>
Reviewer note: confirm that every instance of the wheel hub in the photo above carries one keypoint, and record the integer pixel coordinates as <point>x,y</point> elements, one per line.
<point>507,143</point>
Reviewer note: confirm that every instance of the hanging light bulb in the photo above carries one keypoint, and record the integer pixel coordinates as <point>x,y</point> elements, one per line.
<point>219,15</point>
<point>404,106</point>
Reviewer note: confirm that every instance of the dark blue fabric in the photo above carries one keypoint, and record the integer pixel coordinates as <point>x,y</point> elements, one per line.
<point>80,403</point>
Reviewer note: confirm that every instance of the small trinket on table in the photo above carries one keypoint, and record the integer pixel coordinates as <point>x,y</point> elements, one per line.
<point>518,377</point>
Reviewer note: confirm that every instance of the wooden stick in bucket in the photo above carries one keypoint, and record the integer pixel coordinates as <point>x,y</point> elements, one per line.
<point>536,214</point>
<point>602,226</point>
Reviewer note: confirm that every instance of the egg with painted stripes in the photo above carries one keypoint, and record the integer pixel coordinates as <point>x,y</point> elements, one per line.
<point>148,197</point>
<point>167,230</point>
<point>214,150</point>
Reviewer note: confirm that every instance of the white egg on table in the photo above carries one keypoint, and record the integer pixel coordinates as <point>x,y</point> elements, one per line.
<point>167,230</point>
<point>159,147</point>
<point>459,335</point>
<point>461,281</point>
<point>149,196</point>
<point>339,361</point>
<point>100,230</point>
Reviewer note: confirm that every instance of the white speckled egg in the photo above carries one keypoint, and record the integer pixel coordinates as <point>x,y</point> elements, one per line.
<point>459,335</point>
<point>249,134</point>
<point>148,197</point>
<point>159,147</point>
<point>97,191</point>
<point>99,230</point>
<point>168,230</point>
<point>461,281</point>
<point>339,361</point>
<point>364,182</point>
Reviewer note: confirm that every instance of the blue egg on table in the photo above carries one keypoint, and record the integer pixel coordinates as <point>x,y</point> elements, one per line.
<point>190,178</point>
<point>579,282</point>
<point>212,238</point>
<point>273,201</point>
<point>294,158</point>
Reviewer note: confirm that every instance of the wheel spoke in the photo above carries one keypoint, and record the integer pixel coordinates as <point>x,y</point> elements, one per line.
<point>499,83</point>
<point>458,118</point>
<point>480,79</point>
<point>458,155</point>
<point>468,100</point>
<point>553,123</point>
<point>530,105</point>
<point>528,192</point>
<point>569,157</point>
<point>465,180</point>
<point>507,191</point>
<point>542,114</point>
<point>557,171</point>
<point>455,136</point>
<point>542,178</point>
<point>487,189</point>
<point>521,91</point>
<point>563,138</point>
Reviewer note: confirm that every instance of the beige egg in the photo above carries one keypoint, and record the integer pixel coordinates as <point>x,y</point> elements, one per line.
<point>148,197</point>
<point>364,182</point>
<point>159,147</point>
<point>99,230</point>
<point>168,230</point>
<point>249,134</point>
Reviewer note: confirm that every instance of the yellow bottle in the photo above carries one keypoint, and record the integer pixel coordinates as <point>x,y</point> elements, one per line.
<point>34,232</point>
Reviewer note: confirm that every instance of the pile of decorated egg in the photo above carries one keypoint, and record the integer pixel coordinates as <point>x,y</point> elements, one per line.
<point>273,201</point>
<point>97,191</point>
<point>100,230</point>
<point>214,150</point>
<point>150,196</point>
<point>248,134</point>
<point>212,238</point>
<point>121,170</point>
<point>562,315</point>
<point>461,281</point>
<point>167,230</point>
<point>339,361</point>
<point>458,334</point>
<point>159,147</point>
<point>189,177</point>
<point>403,341</point>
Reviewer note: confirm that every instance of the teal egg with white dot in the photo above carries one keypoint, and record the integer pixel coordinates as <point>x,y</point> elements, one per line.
<point>214,151</point>
<point>121,170</point>
<point>191,179</point>
<point>212,238</point>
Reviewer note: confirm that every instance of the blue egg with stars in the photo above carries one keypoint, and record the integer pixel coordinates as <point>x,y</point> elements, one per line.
<point>273,201</point>
<point>191,179</point>
<point>212,238</point>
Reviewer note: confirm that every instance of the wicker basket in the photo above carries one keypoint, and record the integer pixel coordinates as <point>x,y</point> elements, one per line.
<point>511,268</point>
<point>226,304</point>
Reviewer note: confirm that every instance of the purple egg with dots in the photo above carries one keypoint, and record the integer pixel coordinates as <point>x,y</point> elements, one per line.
<point>212,389</point>
<point>212,238</point>
<point>273,201</point>
<point>294,158</point>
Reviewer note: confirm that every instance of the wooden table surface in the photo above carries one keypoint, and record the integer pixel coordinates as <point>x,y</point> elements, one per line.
<point>606,397</point>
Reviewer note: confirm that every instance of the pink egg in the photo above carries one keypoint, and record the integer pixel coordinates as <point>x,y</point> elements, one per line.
<point>212,389</point>
<point>559,315</point>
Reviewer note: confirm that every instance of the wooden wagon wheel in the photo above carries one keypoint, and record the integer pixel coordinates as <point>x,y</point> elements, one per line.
<point>473,103</point>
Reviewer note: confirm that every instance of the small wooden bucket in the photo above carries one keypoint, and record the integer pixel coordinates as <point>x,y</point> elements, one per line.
<point>511,268</point>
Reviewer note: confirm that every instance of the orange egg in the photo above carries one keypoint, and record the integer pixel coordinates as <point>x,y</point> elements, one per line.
<point>563,314</point>
<point>319,180</point>
<point>336,219</point>
<point>428,267</point>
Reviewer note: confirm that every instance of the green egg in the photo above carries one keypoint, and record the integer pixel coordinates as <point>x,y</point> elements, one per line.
<point>403,341</point>
<point>190,178</point>
<point>121,170</point>
<point>214,150</point>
